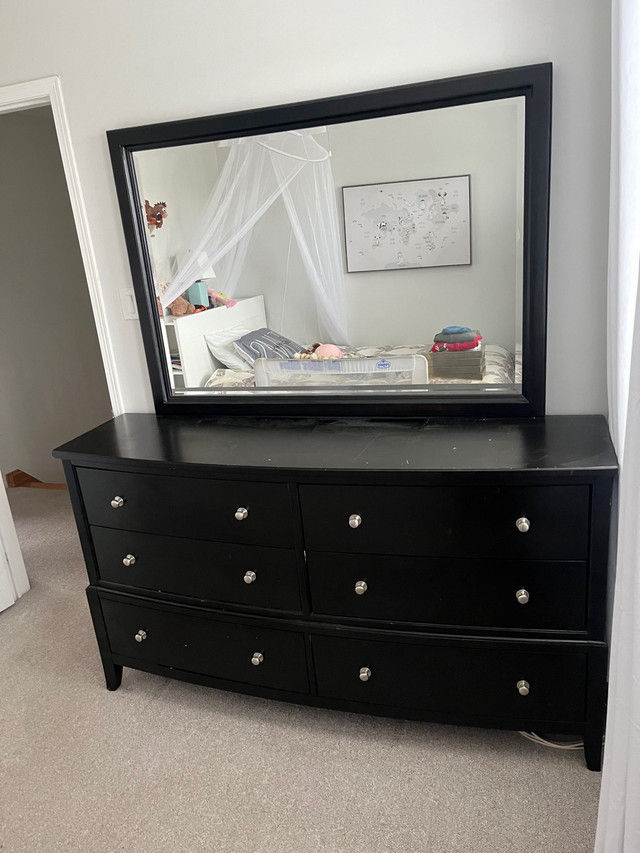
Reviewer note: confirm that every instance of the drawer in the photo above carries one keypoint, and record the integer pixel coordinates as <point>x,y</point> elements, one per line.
<point>552,595</point>
<point>462,681</point>
<point>191,507</point>
<point>197,643</point>
<point>218,571</point>
<point>453,521</point>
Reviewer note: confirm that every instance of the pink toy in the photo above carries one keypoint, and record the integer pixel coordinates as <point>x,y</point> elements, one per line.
<point>328,351</point>
<point>220,299</point>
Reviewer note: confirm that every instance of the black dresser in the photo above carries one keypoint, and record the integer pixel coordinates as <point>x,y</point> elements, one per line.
<point>446,571</point>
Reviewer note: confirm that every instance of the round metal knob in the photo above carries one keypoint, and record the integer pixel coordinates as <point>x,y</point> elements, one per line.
<point>242,513</point>
<point>140,636</point>
<point>117,502</point>
<point>523,596</point>
<point>355,521</point>
<point>523,524</point>
<point>257,658</point>
<point>361,587</point>
<point>250,577</point>
<point>523,688</point>
<point>129,560</point>
<point>365,673</point>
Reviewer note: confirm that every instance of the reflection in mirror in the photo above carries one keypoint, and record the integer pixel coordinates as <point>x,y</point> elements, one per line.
<point>396,243</point>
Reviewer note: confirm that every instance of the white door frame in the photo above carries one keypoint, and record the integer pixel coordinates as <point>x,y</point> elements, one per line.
<point>21,96</point>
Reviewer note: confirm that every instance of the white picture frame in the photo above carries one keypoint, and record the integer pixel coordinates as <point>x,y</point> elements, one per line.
<point>408,224</point>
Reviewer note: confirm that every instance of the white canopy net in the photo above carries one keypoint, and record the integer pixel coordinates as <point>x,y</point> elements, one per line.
<point>294,167</point>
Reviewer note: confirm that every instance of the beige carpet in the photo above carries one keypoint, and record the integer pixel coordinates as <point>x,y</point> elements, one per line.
<point>164,767</point>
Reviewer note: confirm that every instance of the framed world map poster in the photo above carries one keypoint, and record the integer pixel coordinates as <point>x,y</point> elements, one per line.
<point>407,224</point>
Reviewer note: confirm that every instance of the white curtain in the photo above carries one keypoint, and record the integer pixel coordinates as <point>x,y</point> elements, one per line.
<point>619,815</point>
<point>293,166</point>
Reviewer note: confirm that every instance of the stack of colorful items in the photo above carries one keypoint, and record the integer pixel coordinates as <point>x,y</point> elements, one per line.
<point>457,339</point>
<point>457,354</point>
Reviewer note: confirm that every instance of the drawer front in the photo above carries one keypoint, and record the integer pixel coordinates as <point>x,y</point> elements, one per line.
<point>472,682</point>
<point>190,507</point>
<point>196,643</point>
<point>218,571</point>
<point>478,521</point>
<point>487,593</point>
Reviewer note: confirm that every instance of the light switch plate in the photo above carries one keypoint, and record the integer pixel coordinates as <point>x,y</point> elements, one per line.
<point>128,303</point>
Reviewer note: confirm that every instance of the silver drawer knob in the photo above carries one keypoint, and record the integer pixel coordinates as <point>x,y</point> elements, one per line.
<point>355,521</point>
<point>361,587</point>
<point>140,636</point>
<point>241,513</point>
<point>523,596</point>
<point>250,577</point>
<point>129,560</point>
<point>117,502</point>
<point>523,525</point>
<point>257,658</point>
<point>523,688</point>
<point>365,673</point>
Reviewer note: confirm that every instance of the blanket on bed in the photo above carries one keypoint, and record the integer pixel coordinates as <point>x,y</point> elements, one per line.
<point>501,367</point>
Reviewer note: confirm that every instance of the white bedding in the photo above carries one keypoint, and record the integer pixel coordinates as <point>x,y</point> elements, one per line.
<point>501,368</point>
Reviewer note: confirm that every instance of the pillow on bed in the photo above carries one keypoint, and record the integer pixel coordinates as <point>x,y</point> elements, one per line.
<point>265,343</point>
<point>221,347</point>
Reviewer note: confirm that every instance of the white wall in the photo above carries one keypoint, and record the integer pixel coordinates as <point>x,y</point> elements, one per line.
<point>183,178</point>
<point>409,306</point>
<point>143,62</point>
<point>51,373</point>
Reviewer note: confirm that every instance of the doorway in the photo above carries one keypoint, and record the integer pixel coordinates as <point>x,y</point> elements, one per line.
<point>51,373</point>
<point>55,365</point>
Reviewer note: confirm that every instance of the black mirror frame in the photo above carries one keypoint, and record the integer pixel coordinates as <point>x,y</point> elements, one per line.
<point>534,82</point>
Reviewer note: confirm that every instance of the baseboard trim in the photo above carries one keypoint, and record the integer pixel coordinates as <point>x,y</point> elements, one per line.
<point>20,479</point>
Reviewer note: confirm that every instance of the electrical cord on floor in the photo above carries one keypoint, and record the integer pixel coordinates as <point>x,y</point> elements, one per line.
<point>578,744</point>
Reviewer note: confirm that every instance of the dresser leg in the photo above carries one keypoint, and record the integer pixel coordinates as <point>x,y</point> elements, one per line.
<point>596,706</point>
<point>112,671</point>
<point>112,674</point>
<point>593,747</point>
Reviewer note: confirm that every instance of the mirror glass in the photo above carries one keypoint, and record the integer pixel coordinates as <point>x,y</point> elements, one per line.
<point>370,236</point>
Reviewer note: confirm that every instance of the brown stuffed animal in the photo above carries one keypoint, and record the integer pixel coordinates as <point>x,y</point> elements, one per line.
<point>156,214</point>
<point>179,307</point>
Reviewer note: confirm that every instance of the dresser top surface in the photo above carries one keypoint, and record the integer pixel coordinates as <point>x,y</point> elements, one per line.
<point>558,442</point>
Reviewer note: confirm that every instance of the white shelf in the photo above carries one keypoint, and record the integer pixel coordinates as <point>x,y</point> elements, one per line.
<point>185,336</point>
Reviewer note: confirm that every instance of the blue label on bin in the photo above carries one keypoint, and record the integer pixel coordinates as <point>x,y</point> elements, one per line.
<point>383,364</point>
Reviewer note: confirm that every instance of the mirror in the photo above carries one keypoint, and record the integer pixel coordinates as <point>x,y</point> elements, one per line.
<point>380,254</point>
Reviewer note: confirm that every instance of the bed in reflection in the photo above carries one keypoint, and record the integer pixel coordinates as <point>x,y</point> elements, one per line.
<point>501,367</point>
<point>207,351</point>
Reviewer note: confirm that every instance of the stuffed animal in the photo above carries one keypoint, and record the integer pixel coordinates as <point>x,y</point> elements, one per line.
<point>318,351</point>
<point>156,214</point>
<point>219,299</point>
<point>328,351</point>
<point>180,307</point>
